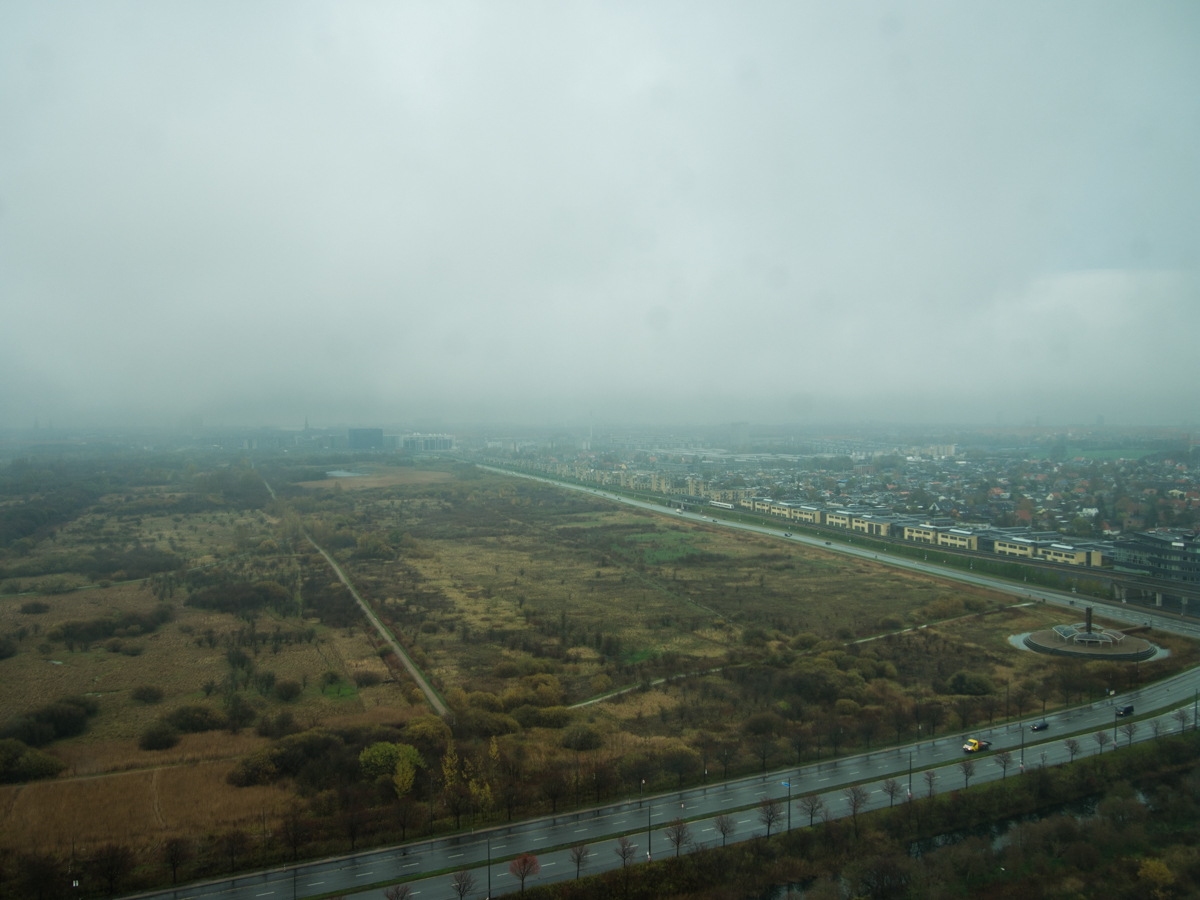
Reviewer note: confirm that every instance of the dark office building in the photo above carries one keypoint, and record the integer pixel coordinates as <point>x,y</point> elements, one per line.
<point>1159,554</point>
<point>366,438</point>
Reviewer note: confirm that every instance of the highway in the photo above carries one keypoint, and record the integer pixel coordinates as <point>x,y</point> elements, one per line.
<point>366,874</point>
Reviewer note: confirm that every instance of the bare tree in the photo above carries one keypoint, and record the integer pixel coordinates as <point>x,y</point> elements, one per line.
<point>579,856</point>
<point>294,829</point>
<point>398,892</point>
<point>1129,729</point>
<point>1003,759</point>
<point>1156,728</point>
<point>967,767</point>
<point>856,798</point>
<point>523,867</point>
<point>990,704</point>
<point>111,863</point>
<point>891,787</point>
<point>176,852</point>
<point>770,812</point>
<point>233,845</point>
<point>678,834</point>
<point>463,883</point>
<point>1181,716</point>
<point>930,780</point>
<point>727,826</point>
<point>1101,738</point>
<point>812,804</point>
<point>1020,699</point>
<point>934,712</point>
<point>625,851</point>
<point>1073,747</point>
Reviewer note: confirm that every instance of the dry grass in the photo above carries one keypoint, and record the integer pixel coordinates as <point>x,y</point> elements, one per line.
<point>139,808</point>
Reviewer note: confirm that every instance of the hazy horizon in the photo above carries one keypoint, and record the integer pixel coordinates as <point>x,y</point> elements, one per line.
<point>674,213</point>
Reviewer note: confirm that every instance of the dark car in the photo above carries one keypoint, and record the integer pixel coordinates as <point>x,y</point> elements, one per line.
<point>1039,726</point>
<point>1125,711</point>
<point>828,543</point>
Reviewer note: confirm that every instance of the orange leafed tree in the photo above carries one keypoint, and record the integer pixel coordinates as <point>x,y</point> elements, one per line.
<point>523,867</point>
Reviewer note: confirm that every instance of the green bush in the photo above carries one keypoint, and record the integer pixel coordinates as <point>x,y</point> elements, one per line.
<point>159,736</point>
<point>287,691</point>
<point>21,763</point>
<point>147,693</point>
<point>195,718</point>
<point>35,608</point>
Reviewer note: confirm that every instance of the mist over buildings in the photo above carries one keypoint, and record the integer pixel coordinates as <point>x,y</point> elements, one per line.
<point>546,212</point>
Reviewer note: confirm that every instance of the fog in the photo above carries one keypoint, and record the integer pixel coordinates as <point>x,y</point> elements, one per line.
<point>522,212</point>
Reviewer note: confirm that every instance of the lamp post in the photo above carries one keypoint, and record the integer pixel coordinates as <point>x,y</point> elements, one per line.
<point>648,834</point>
<point>910,775</point>
<point>489,854</point>
<point>788,785</point>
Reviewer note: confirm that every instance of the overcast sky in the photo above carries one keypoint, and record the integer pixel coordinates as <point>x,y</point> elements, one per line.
<point>692,212</point>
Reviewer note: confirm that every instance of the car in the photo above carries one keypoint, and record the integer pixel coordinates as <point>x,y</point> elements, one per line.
<point>1125,711</point>
<point>829,543</point>
<point>787,534</point>
<point>1039,726</point>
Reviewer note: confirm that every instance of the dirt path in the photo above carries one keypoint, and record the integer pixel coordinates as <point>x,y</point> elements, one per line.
<point>426,688</point>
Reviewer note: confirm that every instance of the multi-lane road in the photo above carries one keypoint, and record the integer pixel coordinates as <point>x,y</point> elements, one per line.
<point>365,874</point>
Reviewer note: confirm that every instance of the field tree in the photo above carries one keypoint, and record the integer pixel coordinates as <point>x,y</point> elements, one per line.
<point>553,787</point>
<point>963,707</point>
<point>1129,729</point>
<point>891,787</point>
<point>812,804</point>
<point>1003,759</point>
<point>111,863</point>
<point>856,799</point>
<point>353,820</point>
<point>931,778</point>
<point>726,825</point>
<point>398,892</point>
<point>1101,738</point>
<point>233,844</point>
<point>404,813</point>
<point>524,866</point>
<point>681,761</point>
<point>463,883</point>
<point>1044,692</point>
<point>770,812</point>
<point>991,705</point>
<point>678,834</point>
<point>1020,699</point>
<point>579,855</point>
<point>1181,716</point>
<point>934,712</point>
<point>727,752</point>
<point>176,852</point>
<point>1156,728</point>
<point>967,767</point>
<point>899,716</point>
<point>1073,747</point>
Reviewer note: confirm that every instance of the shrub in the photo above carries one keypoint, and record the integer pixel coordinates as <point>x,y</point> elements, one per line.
<point>21,763</point>
<point>7,648</point>
<point>132,650</point>
<point>287,691</point>
<point>65,718</point>
<point>197,718</point>
<point>159,736</point>
<point>147,693</point>
<point>367,678</point>
<point>35,608</point>
<point>114,645</point>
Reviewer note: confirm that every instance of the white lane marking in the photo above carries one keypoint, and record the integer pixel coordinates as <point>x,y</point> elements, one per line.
<point>454,856</point>
<point>410,865</point>
<point>581,830</point>
<point>544,865</point>
<point>546,838</point>
<point>707,829</point>
<point>267,894</point>
<point>363,875</point>
<point>314,883</point>
<point>728,800</point>
<point>743,821</point>
<point>500,846</point>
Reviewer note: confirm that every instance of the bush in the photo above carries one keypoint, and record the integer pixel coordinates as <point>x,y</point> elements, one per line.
<point>367,679</point>
<point>287,691</point>
<point>132,650</point>
<point>147,693</point>
<point>196,718</point>
<point>7,648</point>
<point>65,718</point>
<point>35,608</point>
<point>159,736</point>
<point>21,763</point>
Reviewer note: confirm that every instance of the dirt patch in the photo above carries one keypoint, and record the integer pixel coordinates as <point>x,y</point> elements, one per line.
<point>377,478</point>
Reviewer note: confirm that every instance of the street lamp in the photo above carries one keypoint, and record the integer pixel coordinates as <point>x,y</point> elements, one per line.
<point>910,775</point>
<point>788,785</point>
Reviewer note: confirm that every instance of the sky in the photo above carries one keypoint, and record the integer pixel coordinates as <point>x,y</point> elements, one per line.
<point>791,213</point>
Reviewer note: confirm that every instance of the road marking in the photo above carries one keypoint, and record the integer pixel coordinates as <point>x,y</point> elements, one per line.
<point>546,838</point>
<point>760,793</point>
<point>363,875</point>
<point>729,800</point>
<point>267,894</point>
<point>454,856</point>
<point>410,865</point>
<point>706,829</point>
<point>545,865</point>
<point>581,830</point>
<point>315,883</point>
<point>743,821</point>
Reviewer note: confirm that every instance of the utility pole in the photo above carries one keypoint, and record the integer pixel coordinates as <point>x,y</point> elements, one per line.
<point>648,839</point>
<point>489,854</point>
<point>788,785</point>
<point>910,775</point>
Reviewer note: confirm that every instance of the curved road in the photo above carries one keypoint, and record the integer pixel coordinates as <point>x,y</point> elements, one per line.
<point>366,874</point>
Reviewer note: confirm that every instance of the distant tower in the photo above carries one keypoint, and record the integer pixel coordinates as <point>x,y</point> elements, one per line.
<point>306,423</point>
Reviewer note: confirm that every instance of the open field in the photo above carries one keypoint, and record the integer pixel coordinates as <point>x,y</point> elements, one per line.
<point>518,600</point>
<point>369,477</point>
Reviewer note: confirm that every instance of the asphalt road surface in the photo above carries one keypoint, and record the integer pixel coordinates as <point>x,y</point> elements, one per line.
<point>367,874</point>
